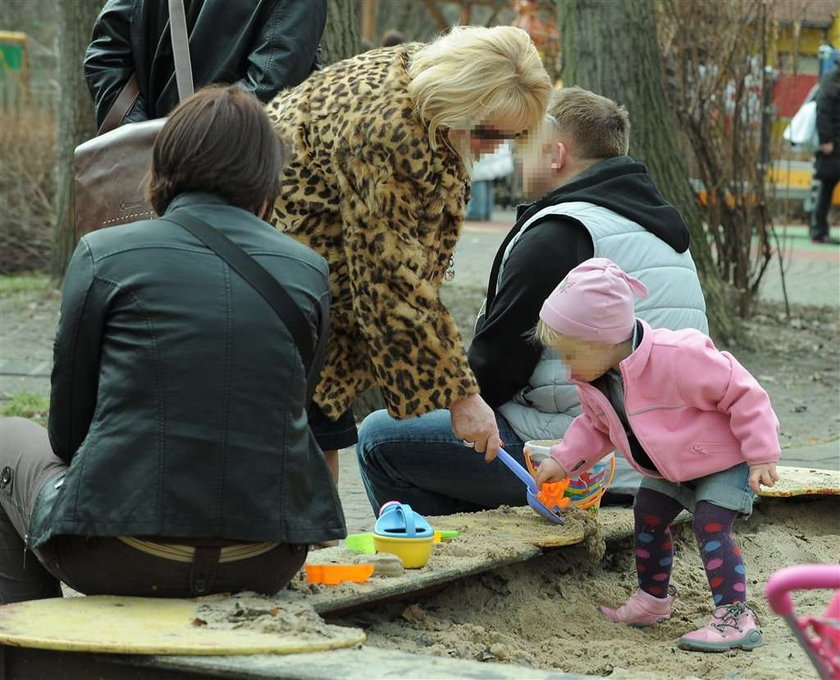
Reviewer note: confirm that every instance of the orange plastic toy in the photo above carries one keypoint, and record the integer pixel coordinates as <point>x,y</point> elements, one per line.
<point>552,494</point>
<point>333,574</point>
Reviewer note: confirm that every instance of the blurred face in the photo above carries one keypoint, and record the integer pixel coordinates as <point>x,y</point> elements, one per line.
<point>486,137</point>
<point>586,361</point>
<point>540,169</point>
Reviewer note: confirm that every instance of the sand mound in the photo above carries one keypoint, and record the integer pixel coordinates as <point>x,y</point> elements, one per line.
<point>254,612</point>
<point>543,612</point>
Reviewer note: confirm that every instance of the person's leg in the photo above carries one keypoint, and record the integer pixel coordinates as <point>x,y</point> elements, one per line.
<point>832,185</point>
<point>819,218</point>
<point>332,435</point>
<point>654,510</point>
<point>488,201</point>
<point>26,464</point>
<point>733,625</point>
<point>420,462</point>
<point>653,513</point>
<point>720,498</point>
<point>477,204</point>
<point>721,557</point>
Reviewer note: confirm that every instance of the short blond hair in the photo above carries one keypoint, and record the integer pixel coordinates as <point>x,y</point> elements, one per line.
<point>597,126</point>
<point>544,335</point>
<point>473,73</point>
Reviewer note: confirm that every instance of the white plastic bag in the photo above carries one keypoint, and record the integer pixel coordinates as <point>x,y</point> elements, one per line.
<point>802,129</point>
<point>497,164</point>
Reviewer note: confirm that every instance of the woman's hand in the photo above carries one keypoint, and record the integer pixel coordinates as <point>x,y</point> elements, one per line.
<point>763,475</point>
<point>474,422</point>
<point>550,471</point>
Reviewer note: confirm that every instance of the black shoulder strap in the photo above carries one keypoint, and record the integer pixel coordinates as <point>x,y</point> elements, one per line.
<point>255,274</point>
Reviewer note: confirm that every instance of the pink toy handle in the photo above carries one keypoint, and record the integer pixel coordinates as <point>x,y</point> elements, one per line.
<point>805,577</point>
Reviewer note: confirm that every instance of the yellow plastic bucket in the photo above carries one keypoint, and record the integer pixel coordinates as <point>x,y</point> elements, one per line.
<point>413,552</point>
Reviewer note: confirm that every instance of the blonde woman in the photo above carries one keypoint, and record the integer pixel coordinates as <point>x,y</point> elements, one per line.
<point>378,185</point>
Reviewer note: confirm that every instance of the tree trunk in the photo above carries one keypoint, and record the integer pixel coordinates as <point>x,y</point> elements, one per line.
<point>369,11</point>
<point>76,121</point>
<point>611,48</point>
<point>341,34</point>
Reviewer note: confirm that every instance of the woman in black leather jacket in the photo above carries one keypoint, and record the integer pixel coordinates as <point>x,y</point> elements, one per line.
<point>262,46</point>
<point>178,459</point>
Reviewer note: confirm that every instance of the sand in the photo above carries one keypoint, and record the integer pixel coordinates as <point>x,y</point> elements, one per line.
<point>489,539</point>
<point>251,611</point>
<point>542,612</point>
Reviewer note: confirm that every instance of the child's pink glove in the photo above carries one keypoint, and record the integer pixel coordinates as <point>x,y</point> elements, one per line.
<point>550,471</point>
<point>763,475</point>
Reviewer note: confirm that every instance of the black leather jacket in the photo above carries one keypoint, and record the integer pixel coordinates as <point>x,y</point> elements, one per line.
<point>178,399</point>
<point>828,108</point>
<point>262,45</point>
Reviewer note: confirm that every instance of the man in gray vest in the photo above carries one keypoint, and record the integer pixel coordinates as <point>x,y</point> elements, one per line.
<point>597,202</point>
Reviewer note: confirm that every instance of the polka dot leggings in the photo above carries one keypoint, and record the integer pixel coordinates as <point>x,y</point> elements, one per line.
<point>712,525</point>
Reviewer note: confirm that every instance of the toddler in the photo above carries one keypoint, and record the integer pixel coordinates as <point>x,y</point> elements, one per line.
<point>688,417</point>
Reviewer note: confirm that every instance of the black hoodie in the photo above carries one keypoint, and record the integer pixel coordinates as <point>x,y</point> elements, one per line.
<point>501,355</point>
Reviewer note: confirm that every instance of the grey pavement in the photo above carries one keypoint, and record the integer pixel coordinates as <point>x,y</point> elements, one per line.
<point>811,272</point>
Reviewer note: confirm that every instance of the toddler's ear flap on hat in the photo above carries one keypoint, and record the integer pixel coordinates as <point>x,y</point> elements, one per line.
<point>638,288</point>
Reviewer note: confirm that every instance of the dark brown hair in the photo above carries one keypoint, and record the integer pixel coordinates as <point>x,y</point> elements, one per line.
<point>393,37</point>
<point>599,127</point>
<point>219,140</point>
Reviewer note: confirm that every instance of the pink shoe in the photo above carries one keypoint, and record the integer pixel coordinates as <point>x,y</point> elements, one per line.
<point>733,626</point>
<point>642,609</point>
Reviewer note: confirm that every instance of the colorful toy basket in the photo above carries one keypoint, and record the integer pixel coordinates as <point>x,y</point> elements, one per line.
<point>586,490</point>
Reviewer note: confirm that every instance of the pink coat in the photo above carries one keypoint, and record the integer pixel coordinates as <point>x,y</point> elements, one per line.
<point>695,410</point>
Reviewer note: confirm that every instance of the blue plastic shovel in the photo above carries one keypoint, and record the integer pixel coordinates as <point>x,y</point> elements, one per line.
<point>531,485</point>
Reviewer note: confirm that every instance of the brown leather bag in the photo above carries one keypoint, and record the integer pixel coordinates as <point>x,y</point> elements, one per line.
<point>110,169</point>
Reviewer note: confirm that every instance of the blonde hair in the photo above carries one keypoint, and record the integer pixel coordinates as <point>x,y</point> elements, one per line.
<point>544,335</point>
<point>598,127</point>
<point>474,73</point>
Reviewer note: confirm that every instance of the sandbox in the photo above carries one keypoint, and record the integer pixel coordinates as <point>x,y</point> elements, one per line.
<point>517,593</point>
<point>542,613</point>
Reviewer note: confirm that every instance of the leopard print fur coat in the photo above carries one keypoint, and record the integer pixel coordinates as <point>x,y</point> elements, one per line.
<point>366,191</point>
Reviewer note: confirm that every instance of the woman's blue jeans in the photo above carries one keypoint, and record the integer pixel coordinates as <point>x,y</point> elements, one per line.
<point>420,461</point>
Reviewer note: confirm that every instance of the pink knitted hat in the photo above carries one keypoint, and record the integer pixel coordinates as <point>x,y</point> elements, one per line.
<point>594,302</point>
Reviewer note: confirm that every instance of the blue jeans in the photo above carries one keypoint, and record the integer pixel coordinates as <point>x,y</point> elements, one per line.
<point>480,206</point>
<point>420,462</point>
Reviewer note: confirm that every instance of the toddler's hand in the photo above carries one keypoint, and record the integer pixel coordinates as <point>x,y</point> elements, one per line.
<point>550,471</point>
<point>763,475</point>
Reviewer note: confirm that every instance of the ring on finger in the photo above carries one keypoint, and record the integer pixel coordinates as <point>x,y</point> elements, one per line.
<point>468,444</point>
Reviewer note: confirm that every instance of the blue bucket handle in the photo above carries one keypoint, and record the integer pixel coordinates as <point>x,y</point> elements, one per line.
<point>408,516</point>
<point>404,510</point>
